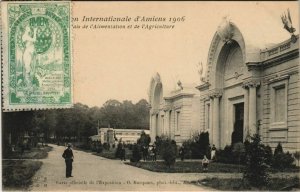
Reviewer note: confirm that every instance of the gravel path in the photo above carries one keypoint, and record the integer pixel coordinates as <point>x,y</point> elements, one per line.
<point>94,173</point>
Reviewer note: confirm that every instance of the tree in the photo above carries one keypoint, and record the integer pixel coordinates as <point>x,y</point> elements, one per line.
<point>144,139</point>
<point>119,150</point>
<point>136,153</point>
<point>199,145</point>
<point>256,164</point>
<point>111,113</point>
<point>168,151</point>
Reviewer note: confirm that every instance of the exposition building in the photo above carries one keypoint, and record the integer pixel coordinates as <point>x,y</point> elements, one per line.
<point>247,88</point>
<point>174,114</point>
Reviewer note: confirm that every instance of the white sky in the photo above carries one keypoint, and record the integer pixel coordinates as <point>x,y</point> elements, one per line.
<point>119,64</point>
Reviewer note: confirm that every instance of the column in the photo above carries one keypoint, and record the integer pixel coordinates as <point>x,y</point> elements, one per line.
<point>167,123</point>
<point>252,109</point>
<point>246,112</point>
<point>157,124</point>
<point>211,115</point>
<point>216,128</point>
<point>152,126</point>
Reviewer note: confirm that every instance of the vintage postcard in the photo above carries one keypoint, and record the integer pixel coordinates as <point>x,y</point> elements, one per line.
<point>168,96</point>
<point>37,55</point>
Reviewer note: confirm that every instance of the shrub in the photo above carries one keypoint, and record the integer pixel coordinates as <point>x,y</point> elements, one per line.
<point>256,164</point>
<point>187,149</point>
<point>278,149</point>
<point>281,160</point>
<point>158,142</point>
<point>269,155</point>
<point>168,151</point>
<point>225,155</point>
<point>106,146</point>
<point>99,147</point>
<point>118,153</point>
<point>238,152</point>
<point>144,139</point>
<point>198,146</point>
<point>136,153</point>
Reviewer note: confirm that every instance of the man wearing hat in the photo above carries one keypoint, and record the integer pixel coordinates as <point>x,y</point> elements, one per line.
<point>68,156</point>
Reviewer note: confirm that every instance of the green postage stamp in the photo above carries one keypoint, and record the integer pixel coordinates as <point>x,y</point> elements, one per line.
<point>37,55</point>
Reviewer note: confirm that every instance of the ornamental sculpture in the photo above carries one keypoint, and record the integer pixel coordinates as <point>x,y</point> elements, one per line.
<point>215,93</point>
<point>251,83</point>
<point>200,72</point>
<point>288,25</point>
<point>225,30</point>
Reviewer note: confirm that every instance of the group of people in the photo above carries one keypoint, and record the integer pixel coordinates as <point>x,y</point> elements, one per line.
<point>149,153</point>
<point>205,160</point>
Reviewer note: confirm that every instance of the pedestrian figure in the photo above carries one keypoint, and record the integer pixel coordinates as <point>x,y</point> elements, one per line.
<point>154,153</point>
<point>213,152</point>
<point>205,162</point>
<point>68,156</point>
<point>145,153</point>
<point>182,152</point>
<point>123,153</point>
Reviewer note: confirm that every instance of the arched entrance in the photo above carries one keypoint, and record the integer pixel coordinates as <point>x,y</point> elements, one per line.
<point>229,73</point>
<point>155,98</point>
<point>226,73</point>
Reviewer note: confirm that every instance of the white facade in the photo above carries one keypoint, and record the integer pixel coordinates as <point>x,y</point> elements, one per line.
<point>246,89</point>
<point>110,135</point>
<point>174,114</point>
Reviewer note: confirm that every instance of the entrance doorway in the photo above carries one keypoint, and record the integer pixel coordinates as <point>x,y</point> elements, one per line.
<point>238,126</point>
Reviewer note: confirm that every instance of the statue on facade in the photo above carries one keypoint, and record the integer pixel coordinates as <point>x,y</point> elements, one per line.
<point>288,25</point>
<point>225,30</point>
<point>180,84</point>
<point>200,72</point>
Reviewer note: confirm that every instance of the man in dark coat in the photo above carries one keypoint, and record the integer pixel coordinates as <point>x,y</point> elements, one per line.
<point>68,156</point>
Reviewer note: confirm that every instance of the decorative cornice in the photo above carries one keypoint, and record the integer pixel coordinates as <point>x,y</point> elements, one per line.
<point>253,66</point>
<point>166,108</point>
<point>176,107</point>
<point>203,86</point>
<point>179,95</point>
<point>215,93</point>
<point>281,58</point>
<point>251,83</point>
<point>280,78</point>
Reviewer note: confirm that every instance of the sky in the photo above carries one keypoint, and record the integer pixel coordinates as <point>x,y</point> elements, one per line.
<point>119,63</point>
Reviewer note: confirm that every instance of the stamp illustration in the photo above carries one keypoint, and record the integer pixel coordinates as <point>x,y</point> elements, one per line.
<point>37,70</point>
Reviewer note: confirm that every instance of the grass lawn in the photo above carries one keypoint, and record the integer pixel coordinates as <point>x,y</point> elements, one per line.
<point>18,169</point>
<point>196,167</point>
<point>18,173</point>
<point>111,154</point>
<point>187,167</point>
<point>276,184</point>
<point>33,153</point>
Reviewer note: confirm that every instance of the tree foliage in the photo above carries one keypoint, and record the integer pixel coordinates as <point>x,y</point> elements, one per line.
<point>281,160</point>
<point>256,163</point>
<point>74,124</point>
<point>144,140</point>
<point>167,149</point>
<point>198,146</point>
